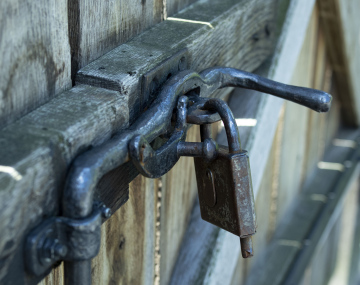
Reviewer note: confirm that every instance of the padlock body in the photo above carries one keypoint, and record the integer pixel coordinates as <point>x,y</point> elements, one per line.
<point>225,192</point>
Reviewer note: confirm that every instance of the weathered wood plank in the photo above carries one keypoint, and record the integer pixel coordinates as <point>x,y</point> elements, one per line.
<point>355,255</point>
<point>34,55</point>
<point>200,235</point>
<point>32,173</point>
<point>294,128</point>
<point>174,6</point>
<point>318,271</point>
<point>315,138</point>
<point>322,265</point>
<point>346,242</point>
<point>207,45</point>
<point>97,27</point>
<point>56,277</point>
<point>179,191</point>
<point>128,239</point>
<point>340,22</point>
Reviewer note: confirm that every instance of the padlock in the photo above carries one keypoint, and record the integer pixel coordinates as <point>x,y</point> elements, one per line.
<point>224,183</point>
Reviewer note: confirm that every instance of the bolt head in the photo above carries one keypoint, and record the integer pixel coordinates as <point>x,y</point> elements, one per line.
<point>60,250</point>
<point>106,212</point>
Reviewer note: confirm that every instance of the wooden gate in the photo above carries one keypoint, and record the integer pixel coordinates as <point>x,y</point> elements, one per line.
<point>72,76</point>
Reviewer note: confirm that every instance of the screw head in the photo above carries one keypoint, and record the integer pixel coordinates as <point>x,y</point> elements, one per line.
<point>106,212</point>
<point>60,250</point>
<point>52,250</point>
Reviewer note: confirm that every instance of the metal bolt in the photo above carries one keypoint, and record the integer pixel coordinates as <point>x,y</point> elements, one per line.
<point>52,250</point>
<point>246,247</point>
<point>106,212</point>
<point>60,250</point>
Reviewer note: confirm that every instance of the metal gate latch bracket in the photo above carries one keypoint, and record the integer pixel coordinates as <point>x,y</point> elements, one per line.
<point>62,238</point>
<point>184,99</point>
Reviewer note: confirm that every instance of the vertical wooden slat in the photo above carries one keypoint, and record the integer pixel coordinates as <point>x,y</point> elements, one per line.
<point>341,26</point>
<point>178,193</point>
<point>55,278</point>
<point>128,239</point>
<point>99,26</point>
<point>174,6</point>
<point>331,263</point>
<point>34,55</point>
<point>346,242</point>
<point>295,124</point>
<point>320,268</point>
<point>315,143</point>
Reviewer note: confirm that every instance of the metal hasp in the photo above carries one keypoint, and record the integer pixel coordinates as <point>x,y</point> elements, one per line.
<point>137,144</point>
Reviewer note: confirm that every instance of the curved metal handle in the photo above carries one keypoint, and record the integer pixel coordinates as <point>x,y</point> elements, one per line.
<point>316,100</point>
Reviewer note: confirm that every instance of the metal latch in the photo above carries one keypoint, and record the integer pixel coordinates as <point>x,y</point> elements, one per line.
<point>181,102</point>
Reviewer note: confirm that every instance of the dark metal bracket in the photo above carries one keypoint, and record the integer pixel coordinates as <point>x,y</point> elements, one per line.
<point>61,238</point>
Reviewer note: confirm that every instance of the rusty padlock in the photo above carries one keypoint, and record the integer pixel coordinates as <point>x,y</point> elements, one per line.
<point>224,183</point>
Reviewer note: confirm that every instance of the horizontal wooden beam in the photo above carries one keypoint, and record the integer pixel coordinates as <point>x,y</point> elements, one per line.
<point>36,150</point>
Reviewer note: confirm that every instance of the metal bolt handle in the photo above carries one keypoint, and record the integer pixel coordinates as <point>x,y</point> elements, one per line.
<point>316,100</point>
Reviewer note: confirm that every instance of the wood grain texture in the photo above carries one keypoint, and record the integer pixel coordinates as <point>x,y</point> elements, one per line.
<point>56,277</point>
<point>340,273</point>
<point>179,191</point>
<point>341,26</point>
<point>128,239</point>
<point>350,23</point>
<point>296,124</point>
<point>34,55</point>
<point>86,116</point>
<point>122,68</point>
<point>33,173</point>
<point>321,267</point>
<point>334,254</point>
<point>96,27</point>
<point>174,6</point>
<point>315,138</point>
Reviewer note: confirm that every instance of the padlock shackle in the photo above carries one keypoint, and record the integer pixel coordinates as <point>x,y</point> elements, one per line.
<point>229,121</point>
